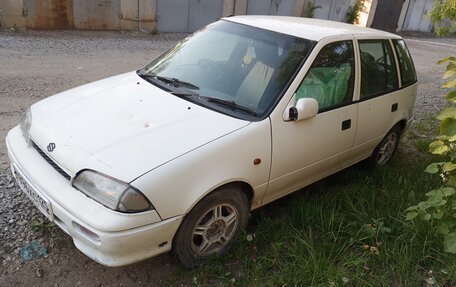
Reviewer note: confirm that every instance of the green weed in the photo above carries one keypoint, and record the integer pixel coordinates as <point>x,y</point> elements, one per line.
<point>346,230</point>
<point>42,226</point>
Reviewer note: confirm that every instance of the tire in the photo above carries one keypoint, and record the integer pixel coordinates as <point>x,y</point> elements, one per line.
<point>210,227</point>
<point>386,148</point>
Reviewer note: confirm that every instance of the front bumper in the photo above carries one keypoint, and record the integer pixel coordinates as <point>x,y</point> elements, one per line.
<point>108,237</point>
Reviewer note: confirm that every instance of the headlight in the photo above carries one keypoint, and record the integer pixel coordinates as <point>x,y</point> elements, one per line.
<point>110,192</point>
<point>26,123</point>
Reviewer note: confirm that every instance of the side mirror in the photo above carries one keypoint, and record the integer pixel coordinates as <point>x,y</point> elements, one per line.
<point>305,108</point>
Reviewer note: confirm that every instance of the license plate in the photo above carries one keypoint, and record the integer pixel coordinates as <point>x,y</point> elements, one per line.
<point>38,199</point>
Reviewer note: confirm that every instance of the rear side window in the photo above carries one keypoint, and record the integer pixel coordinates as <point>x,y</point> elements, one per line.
<point>378,69</point>
<point>408,74</point>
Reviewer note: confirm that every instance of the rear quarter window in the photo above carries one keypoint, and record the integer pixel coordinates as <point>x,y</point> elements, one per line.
<point>407,69</point>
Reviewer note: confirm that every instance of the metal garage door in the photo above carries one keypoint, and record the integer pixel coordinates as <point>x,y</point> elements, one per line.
<point>187,15</point>
<point>387,15</point>
<point>48,14</point>
<point>98,14</point>
<point>270,7</point>
<point>335,10</point>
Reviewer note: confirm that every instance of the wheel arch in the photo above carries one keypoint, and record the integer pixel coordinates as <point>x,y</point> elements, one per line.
<point>246,188</point>
<point>399,127</point>
<point>401,124</point>
<point>243,186</point>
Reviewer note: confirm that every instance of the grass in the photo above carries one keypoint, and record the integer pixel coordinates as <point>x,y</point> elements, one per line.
<point>346,230</point>
<point>41,225</point>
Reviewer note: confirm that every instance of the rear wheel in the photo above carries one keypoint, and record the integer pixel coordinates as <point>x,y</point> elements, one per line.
<point>210,226</point>
<point>387,147</point>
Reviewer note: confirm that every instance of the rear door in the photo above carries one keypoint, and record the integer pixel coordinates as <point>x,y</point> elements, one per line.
<point>380,106</point>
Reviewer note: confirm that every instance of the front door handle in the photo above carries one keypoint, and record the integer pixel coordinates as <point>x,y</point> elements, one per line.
<point>346,124</point>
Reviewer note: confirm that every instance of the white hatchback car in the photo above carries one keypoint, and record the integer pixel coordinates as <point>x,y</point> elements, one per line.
<point>244,111</point>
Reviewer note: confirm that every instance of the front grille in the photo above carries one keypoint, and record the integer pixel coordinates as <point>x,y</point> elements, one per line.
<point>51,162</point>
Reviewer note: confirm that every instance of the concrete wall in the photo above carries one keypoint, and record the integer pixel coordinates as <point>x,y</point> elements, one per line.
<point>415,16</point>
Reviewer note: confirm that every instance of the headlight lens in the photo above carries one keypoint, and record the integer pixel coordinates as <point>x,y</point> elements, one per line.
<point>110,192</point>
<point>26,123</point>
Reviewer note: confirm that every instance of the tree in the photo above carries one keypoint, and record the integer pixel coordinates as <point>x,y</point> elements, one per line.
<point>443,16</point>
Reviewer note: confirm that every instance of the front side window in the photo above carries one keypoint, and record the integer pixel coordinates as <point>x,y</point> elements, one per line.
<point>331,76</point>
<point>231,68</point>
<point>408,73</point>
<point>378,70</point>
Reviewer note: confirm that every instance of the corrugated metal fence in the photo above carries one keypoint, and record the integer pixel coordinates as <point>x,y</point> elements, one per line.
<point>190,15</point>
<point>187,15</point>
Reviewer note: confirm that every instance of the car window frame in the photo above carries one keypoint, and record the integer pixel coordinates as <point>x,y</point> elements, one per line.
<point>312,58</point>
<point>289,99</point>
<point>395,64</point>
<point>390,39</point>
<point>286,88</point>
<point>396,54</point>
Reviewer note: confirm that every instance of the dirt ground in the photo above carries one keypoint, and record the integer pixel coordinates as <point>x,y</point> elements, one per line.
<point>37,64</point>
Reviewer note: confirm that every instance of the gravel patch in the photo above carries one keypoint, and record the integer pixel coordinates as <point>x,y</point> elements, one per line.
<point>16,213</point>
<point>50,42</point>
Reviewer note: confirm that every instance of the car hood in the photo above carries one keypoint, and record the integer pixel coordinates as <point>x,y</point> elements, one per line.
<point>123,126</point>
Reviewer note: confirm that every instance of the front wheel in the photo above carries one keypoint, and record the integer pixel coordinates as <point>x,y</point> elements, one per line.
<point>386,148</point>
<point>210,226</point>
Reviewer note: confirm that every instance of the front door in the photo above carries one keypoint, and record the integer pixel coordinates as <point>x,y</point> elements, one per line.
<point>307,150</point>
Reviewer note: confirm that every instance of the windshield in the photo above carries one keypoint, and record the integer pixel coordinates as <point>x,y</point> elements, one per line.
<point>232,68</point>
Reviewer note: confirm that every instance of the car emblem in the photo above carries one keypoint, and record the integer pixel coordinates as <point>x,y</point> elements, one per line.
<point>51,147</point>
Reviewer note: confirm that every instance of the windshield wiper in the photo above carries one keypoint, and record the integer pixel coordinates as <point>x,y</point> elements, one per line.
<point>184,94</point>
<point>232,105</point>
<point>177,83</point>
<point>171,81</point>
<point>157,80</point>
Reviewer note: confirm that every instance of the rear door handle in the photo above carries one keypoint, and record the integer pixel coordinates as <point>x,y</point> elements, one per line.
<point>346,124</point>
<point>394,107</point>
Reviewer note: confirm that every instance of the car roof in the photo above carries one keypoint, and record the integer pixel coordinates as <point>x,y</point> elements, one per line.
<point>308,28</point>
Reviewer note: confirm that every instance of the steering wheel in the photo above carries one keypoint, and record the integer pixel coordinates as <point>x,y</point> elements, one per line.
<point>205,63</point>
<point>214,70</point>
